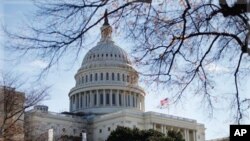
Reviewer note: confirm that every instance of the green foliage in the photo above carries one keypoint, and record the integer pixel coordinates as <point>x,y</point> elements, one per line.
<point>128,134</point>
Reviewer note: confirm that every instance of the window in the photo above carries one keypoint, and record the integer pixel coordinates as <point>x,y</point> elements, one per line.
<point>63,130</point>
<point>107,98</point>
<point>111,55</point>
<point>123,77</point>
<point>107,76</point>
<point>109,128</point>
<point>96,75</point>
<point>82,79</point>
<point>73,99</point>
<point>86,78</point>
<point>95,99</point>
<point>101,99</point>
<point>100,130</point>
<point>113,76</point>
<point>113,99</point>
<point>101,76</point>
<point>81,101</point>
<point>128,100</point>
<point>91,77</point>
<point>133,101</point>
<point>107,55</point>
<point>120,99</point>
<point>118,76</point>
<point>74,131</point>
<point>127,78</point>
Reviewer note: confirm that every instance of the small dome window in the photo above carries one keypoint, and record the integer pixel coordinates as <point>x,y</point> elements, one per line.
<point>94,56</point>
<point>111,55</point>
<point>102,55</point>
<point>107,55</point>
<point>97,55</point>
<point>115,55</point>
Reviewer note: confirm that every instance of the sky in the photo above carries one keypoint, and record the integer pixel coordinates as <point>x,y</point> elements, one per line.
<point>14,13</point>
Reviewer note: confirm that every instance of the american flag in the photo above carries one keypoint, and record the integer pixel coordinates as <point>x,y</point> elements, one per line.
<point>164,102</point>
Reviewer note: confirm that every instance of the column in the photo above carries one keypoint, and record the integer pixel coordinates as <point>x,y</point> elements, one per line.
<point>137,102</point>
<point>104,97</point>
<point>83,99</point>
<point>86,99</point>
<point>123,99</point>
<point>79,101</point>
<point>186,135</point>
<point>117,98</point>
<point>111,97</point>
<point>91,94</point>
<point>70,104</point>
<point>143,103</point>
<point>194,135</point>
<point>162,128</point>
<point>130,99</point>
<point>97,98</point>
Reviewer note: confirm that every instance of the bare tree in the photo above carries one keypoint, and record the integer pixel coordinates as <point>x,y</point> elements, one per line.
<point>13,105</point>
<point>175,40</point>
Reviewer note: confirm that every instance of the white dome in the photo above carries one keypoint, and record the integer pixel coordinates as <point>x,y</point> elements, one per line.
<point>106,81</point>
<point>106,51</point>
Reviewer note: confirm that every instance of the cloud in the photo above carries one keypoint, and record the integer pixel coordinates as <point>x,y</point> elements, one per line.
<point>214,68</point>
<point>38,64</point>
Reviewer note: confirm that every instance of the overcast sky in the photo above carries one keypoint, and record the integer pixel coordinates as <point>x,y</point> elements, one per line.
<point>14,13</point>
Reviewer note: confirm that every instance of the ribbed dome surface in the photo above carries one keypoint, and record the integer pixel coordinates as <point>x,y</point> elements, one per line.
<point>106,51</point>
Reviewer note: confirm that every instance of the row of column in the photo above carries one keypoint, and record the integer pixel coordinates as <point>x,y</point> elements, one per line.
<point>106,97</point>
<point>188,135</point>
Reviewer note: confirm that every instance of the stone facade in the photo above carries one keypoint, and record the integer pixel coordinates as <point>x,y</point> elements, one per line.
<point>38,122</point>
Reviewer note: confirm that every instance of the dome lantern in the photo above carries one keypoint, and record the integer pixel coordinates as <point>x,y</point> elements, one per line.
<point>106,29</point>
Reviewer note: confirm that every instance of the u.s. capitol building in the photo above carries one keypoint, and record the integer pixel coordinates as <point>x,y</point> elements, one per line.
<point>106,95</point>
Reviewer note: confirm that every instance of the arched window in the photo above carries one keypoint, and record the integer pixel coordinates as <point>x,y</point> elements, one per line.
<point>86,78</point>
<point>101,76</point>
<point>118,76</point>
<point>123,77</point>
<point>96,76</point>
<point>127,78</point>
<point>91,77</point>
<point>107,76</point>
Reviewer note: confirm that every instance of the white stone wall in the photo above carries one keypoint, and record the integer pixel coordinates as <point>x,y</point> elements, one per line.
<point>103,125</point>
<point>38,123</point>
